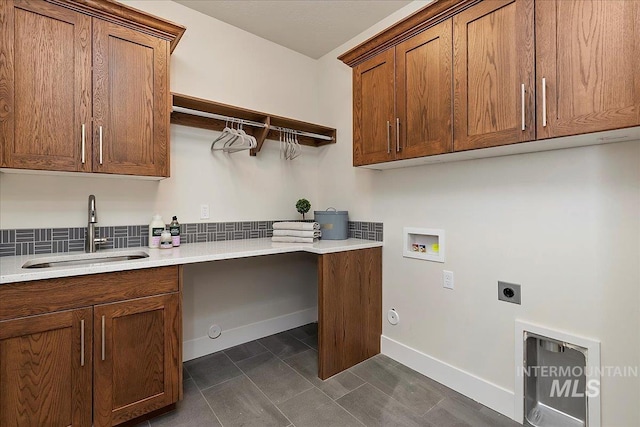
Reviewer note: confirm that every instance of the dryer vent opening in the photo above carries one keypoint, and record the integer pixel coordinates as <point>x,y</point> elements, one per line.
<point>555,383</point>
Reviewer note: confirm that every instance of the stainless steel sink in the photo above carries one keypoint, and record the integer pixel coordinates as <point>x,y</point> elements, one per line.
<point>84,259</point>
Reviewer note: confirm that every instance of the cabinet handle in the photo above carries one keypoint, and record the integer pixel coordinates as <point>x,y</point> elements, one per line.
<point>544,102</point>
<point>388,137</point>
<point>397,134</point>
<point>522,91</point>
<point>103,356</point>
<point>82,341</point>
<point>83,143</point>
<point>101,147</point>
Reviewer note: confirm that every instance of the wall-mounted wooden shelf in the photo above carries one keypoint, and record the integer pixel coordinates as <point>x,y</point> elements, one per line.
<point>201,114</point>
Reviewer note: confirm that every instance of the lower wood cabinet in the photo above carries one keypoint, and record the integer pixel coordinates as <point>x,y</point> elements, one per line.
<point>101,349</point>
<point>46,370</point>
<point>349,309</point>
<point>138,360</point>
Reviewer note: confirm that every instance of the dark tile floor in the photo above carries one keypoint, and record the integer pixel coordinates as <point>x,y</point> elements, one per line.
<point>273,382</point>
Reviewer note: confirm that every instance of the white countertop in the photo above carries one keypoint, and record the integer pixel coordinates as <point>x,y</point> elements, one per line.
<point>11,270</point>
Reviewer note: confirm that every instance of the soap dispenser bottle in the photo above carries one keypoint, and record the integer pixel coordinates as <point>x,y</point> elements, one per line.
<point>156,228</point>
<point>174,228</point>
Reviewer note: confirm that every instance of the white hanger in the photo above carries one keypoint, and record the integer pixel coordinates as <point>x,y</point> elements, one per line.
<point>232,140</point>
<point>226,134</point>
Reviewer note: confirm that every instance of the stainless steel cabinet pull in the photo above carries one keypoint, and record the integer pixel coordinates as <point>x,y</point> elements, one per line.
<point>101,147</point>
<point>83,143</point>
<point>397,134</point>
<point>82,342</point>
<point>523,124</point>
<point>103,356</point>
<point>544,102</point>
<point>388,137</point>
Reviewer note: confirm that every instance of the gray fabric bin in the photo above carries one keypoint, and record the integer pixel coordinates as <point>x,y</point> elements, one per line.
<point>333,224</point>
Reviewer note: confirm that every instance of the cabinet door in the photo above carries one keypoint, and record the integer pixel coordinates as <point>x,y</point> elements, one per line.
<point>137,364</point>
<point>373,110</point>
<point>423,93</point>
<point>46,369</point>
<point>349,309</point>
<point>588,54</point>
<point>493,70</point>
<point>131,101</point>
<point>45,86</point>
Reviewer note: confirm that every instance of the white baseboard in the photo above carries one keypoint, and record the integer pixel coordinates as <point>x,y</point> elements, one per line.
<point>204,345</point>
<point>491,395</point>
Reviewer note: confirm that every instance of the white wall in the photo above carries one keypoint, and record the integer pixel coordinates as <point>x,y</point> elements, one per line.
<point>563,224</point>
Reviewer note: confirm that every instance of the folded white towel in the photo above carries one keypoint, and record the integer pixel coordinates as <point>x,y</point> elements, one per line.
<point>297,233</point>
<point>290,225</point>
<point>289,239</point>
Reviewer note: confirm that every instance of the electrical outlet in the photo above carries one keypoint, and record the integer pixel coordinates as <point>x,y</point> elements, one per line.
<point>509,292</point>
<point>214,331</point>
<point>447,279</point>
<point>393,317</point>
<point>204,211</point>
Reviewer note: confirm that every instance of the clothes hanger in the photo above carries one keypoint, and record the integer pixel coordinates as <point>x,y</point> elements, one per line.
<point>226,133</point>
<point>297,150</point>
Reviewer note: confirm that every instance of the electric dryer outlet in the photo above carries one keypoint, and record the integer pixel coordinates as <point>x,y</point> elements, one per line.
<point>509,292</point>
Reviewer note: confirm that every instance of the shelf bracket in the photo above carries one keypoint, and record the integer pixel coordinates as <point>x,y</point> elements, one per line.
<point>261,136</point>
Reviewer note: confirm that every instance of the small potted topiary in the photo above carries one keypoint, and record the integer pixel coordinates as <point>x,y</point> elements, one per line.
<point>303,206</point>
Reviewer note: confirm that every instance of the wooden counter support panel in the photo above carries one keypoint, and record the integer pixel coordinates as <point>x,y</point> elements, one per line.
<point>349,309</point>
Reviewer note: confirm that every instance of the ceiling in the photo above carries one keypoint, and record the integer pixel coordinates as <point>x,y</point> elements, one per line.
<point>311,27</point>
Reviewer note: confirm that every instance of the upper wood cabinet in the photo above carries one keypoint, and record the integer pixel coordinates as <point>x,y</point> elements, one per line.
<point>45,86</point>
<point>493,74</point>
<point>587,65</point>
<point>46,370</point>
<point>131,101</point>
<point>522,70</point>
<point>374,110</point>
<point>84,87</point>
<point>402,100</point>
<point>423,93</point>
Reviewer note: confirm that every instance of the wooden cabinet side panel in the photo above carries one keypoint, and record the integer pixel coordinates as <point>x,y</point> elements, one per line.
<point>493,51</point>
<point>47,60</point>
<point>139,372</point>
<point>7,101</point>
<point>350,309</point>
<point>373,300</point>
<point>45,296</point>
<point>373,110</point>
<point>423,92</point>
<point>45,370</point>
<point>131,89</point>
<point>589,55</point>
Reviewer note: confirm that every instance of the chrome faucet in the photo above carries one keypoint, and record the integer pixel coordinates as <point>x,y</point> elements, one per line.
<point>90,241</point>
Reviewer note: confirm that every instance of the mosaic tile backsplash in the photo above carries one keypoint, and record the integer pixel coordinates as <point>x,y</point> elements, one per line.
<point>56,240</point>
